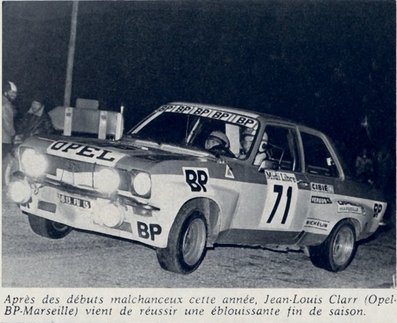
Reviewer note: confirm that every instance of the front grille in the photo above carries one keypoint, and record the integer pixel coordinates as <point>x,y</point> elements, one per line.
<point>80,170</point>
<point>80,174</point>
<point>68,165</point>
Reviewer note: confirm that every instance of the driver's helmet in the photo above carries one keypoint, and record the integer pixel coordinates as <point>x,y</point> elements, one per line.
<point>217,138</point>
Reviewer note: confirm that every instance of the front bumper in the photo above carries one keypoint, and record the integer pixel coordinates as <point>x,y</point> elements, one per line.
<point>117,215</point>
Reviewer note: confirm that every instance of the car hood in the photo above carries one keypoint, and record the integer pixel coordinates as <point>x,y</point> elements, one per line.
<point>124,154</point>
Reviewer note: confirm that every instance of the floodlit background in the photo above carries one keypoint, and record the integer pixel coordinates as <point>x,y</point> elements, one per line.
<point>327,64</point>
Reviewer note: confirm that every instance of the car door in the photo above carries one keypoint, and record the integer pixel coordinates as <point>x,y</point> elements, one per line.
<point>287,191</point>
<point>324,176</point>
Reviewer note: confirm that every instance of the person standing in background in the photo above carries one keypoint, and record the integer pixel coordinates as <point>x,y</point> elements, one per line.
<point>36,121</point>
<point>365,167</point>
<point>8,114</point>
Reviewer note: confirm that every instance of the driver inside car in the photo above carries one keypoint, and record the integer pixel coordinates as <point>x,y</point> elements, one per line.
<point>218,144</point>
<point>246,143</point>
<point>263,150</point>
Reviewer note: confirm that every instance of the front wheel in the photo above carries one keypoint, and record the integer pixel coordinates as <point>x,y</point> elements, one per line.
<point>338,250</point>
<point>186,243</point>
<point>47,228</point>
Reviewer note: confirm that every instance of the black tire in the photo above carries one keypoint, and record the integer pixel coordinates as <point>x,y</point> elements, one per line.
<point>47,228</point>
<point>338,250</point>
<point>187,241</point>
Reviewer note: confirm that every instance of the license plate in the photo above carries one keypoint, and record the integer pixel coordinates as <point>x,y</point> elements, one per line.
<point>70,200</point>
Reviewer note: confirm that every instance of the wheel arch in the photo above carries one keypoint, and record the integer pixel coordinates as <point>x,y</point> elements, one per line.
<point>211,214</point>
<point>356,224</point>
<point>317,239</point>
<point>334,253</point>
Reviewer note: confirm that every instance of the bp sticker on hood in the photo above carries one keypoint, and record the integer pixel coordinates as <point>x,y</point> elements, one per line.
<point>86,153</point>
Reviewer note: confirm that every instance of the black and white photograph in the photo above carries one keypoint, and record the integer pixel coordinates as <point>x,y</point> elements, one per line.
<point>199,145</point>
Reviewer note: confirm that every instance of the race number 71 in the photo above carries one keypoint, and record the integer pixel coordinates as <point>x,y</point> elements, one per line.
<point>278,189</point>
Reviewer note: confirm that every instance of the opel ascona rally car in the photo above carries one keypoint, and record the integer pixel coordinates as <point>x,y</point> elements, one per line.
<point>162,184</point>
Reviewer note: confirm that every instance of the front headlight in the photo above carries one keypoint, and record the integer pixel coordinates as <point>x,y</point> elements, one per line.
<point>19,191</point>
<point>106,181</point>
<point>33,163</point>
<point>141,184</point>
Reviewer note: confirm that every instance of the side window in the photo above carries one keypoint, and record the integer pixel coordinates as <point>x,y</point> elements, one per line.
<point>205,128</point>
<point>279,145</point>
<point>318,159</point>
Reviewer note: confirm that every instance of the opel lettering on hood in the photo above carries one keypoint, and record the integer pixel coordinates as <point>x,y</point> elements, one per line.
<point>85,153</point>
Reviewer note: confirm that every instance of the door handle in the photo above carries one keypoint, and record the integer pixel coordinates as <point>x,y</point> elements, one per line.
<point>303,184</point>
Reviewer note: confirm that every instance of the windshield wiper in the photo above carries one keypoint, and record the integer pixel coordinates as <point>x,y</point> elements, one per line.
<point>146,140</point>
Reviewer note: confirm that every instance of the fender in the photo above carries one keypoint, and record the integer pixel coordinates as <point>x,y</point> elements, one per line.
<point>212,215</point>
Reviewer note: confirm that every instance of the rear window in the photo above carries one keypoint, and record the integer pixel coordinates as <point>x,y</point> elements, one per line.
<point>318,159</point>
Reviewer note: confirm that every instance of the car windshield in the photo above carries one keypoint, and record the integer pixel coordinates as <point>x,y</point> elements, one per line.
<point>210,132</point>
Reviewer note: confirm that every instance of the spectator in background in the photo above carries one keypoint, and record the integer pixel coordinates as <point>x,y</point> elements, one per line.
<point>364,167</point>
<point>384,169</point>
<point>8,114</point>
<point>35,122</point>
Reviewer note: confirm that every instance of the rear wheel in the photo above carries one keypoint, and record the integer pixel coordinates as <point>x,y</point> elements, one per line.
<point>338,250</point>
<point>187,241</point>
<point>47,228</point>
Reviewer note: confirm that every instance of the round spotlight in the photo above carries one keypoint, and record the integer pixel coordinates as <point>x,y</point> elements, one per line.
<point>19,192</point>
<point>108,214</point>
<point>106,180</point>
<point>34,164</point>
<point>142,184</point>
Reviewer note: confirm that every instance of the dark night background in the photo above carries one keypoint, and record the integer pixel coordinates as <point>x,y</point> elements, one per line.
<point>326,64</point>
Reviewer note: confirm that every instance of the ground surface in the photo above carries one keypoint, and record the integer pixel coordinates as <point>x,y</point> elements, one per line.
<point>89,260</point>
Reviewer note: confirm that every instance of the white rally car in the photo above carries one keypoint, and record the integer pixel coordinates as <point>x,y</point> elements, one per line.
<point>191,176</point>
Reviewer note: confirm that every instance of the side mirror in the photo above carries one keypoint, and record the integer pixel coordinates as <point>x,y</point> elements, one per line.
<point>268,164</point>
